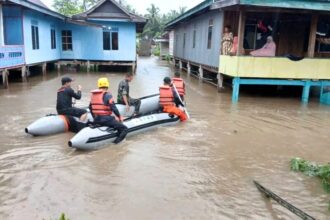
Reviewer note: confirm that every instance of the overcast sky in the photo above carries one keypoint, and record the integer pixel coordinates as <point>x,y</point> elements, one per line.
<point>164,5</point>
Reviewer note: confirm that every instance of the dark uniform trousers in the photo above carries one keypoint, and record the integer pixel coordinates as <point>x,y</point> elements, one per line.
<point>110,121</point>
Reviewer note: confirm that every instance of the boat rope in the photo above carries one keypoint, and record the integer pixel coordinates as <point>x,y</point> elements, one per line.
<point>282,202</point>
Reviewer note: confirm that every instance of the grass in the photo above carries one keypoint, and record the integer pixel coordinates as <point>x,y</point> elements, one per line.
<point>313,169</point>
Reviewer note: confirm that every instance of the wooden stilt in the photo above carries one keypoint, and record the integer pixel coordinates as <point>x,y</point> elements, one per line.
<point>5,78</point>
<point>88,66</point>
<point>180,64</point>
<point>220,82</point>
<point>24,73</point>
<point>188,68</point>
<point>58,66</point>
<point>201,72</point>
<point>133,68</point>
<point>44,68</point>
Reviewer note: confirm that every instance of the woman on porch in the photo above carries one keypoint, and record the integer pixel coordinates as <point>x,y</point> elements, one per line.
<point>268,50</point>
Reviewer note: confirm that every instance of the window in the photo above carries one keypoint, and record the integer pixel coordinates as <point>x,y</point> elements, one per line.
<point>114,41</point>
<point>35,35</point>
<point>184,40</point>
<point>209,37</point>
<point>194,38</point>
<point>53,38</point>
<point>67,40</point>
<point>110,39</point>
<point>106,40</point>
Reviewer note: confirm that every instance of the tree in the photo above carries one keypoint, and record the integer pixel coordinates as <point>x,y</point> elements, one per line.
<point>88,4</point>
<point>156,22</point>
<point>68,7</point>
<point>153,27</point>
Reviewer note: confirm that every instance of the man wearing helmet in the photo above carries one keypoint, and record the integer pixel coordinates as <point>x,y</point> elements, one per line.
<point>102,106</point>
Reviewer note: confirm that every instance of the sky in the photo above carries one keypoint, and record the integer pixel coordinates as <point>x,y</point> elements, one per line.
<point>164,5</point>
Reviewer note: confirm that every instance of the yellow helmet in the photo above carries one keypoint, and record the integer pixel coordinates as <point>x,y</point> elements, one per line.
<point>103,82</point>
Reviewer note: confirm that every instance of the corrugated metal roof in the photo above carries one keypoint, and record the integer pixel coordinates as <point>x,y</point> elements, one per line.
<point>38,2</point>
<point>205,4</point>
<point>317,5</point>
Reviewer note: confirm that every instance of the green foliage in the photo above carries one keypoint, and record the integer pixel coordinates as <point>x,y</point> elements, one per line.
<point>156,21</point>
<point>156,51</point>
<point>68,7</point>
<point>63,217</point>
<point>312,169</point>
<point>168,58</point>
<point>72,7</point>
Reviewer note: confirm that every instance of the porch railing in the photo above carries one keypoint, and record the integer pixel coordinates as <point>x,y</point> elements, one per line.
<point>274,67</point>
<point>11,56</point>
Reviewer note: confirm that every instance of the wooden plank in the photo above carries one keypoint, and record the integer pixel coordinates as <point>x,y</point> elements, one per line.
<point>241,30</point>
<point>283,203</point>
<point>312,36</point>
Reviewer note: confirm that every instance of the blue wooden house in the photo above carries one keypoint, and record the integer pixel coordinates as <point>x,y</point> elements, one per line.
<point>32,34</point>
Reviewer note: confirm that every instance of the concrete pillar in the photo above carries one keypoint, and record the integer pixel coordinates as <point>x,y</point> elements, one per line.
<point>306,91</point>
<point>220,82</point>
<point>235,94</point>
<point>24,73</point>
<point>5,78</point>
<point>201,72</point>
<point>188,68</point>
<point>180,64</point>
<point>44,68</point>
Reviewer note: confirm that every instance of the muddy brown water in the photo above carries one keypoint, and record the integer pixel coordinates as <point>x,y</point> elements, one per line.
<point>202,169</point>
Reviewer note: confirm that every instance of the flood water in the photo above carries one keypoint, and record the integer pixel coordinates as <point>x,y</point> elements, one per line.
<point>201,169</point>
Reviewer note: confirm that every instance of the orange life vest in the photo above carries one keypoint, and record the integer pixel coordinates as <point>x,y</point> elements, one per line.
<point>97,105</point>
<point>179,84</point>
<point>166,97</point>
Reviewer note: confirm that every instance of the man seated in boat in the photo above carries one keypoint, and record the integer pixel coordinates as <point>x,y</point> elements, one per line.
<point>64,100</point>
<point>179,84</point>
<point>102,105</point>
<point>167,97</point>
<point>123,95</point>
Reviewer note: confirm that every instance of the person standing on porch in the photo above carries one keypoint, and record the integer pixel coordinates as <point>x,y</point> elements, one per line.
<point>227,41</point>
<point>123,95</point>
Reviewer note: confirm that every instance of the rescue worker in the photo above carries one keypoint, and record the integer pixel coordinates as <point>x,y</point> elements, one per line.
<point>102,105</point>
<point>123,95</point>
<point>167,97</point>
<point>64,100</point>
<point>179,85</point>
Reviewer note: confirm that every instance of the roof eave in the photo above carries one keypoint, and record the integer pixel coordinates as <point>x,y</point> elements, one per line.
<point>290,5</point>
<point>38,8</point>
<point>202,6</point>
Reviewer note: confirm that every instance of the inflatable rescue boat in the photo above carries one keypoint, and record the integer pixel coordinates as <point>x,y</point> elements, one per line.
<point>93,138</point>
<point>55,124</point>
